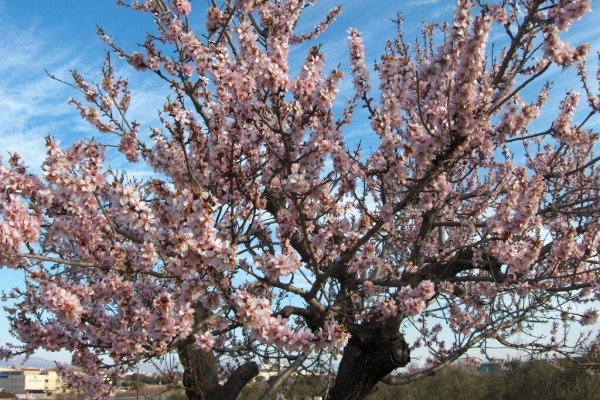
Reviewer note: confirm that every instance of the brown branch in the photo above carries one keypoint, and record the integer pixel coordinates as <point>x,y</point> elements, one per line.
<point>281,378</point>
<point>84,264</point>
<point>515,43</point>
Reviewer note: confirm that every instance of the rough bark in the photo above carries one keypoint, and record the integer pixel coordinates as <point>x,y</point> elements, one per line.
<point>201,375</point>
<point>201,370</point>
<point>370,355</point>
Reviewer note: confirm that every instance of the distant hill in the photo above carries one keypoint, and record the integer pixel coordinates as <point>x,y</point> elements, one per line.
<point>32,362</point>
<point>43,363</point>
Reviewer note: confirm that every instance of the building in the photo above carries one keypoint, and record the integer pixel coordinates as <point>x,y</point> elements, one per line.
<point>31,382</point>
<point>489,368</point>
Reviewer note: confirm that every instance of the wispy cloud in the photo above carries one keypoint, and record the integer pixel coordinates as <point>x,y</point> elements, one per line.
<point>422,2</point>
<point>32,104</point>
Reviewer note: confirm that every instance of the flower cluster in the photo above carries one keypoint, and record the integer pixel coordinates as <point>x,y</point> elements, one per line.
<point>65,304</point>
<point>360,74</point>
<point>264,218</point>
<point>561,52</point>
<point>566,12</point>
<point>182,7</point>
<point>277,265</point>
<point>170,320</point>
<point>205,340</point>
<point>413,301</point>
<point>386,307</point>
<point>257,315</point>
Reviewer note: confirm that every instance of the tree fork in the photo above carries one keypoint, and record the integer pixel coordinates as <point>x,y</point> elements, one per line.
<point>370,355</point>
<point>201,370</point>
<point>201,375</point>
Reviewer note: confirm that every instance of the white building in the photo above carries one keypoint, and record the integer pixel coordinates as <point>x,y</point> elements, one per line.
<point>23,380</point>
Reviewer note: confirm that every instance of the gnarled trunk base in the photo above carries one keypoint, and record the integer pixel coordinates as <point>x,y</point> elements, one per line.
<point>368,357</point>
<point>201,375</point>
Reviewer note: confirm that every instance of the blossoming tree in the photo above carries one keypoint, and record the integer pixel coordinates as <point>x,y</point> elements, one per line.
<point>263,234</point>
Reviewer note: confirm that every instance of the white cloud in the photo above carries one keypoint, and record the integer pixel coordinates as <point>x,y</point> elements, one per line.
<point>423,2</point>
<point>32,104</point>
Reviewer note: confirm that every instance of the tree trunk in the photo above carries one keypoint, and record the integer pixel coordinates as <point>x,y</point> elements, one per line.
<point>201,375</point>
<point>201,370</point>
<point>369,356</point>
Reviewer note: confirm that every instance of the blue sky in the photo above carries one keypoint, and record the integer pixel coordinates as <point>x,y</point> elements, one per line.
<point>60,35</point>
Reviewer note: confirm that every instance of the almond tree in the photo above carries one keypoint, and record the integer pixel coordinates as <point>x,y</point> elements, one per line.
<point>471,221</point>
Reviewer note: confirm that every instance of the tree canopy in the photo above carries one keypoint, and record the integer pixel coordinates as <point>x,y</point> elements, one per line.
<point>264,236</point>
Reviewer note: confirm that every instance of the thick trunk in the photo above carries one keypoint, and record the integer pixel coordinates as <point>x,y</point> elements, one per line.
<point>201,370</point>
<point>369,356</point>
<point>201,375</point>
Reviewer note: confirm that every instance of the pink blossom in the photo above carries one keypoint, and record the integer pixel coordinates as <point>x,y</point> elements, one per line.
<point>205,340</point>
<point>567,11</point>
<point>560,52</point>
<point>386,307</point>
<point>360,75</point>
<point>412,306</point>
<point>182,7</point>
<point>413,301</point>
<point>267,227</point>
<point>446,287</point>
<point>137,61</point>
<point>589,317</point>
